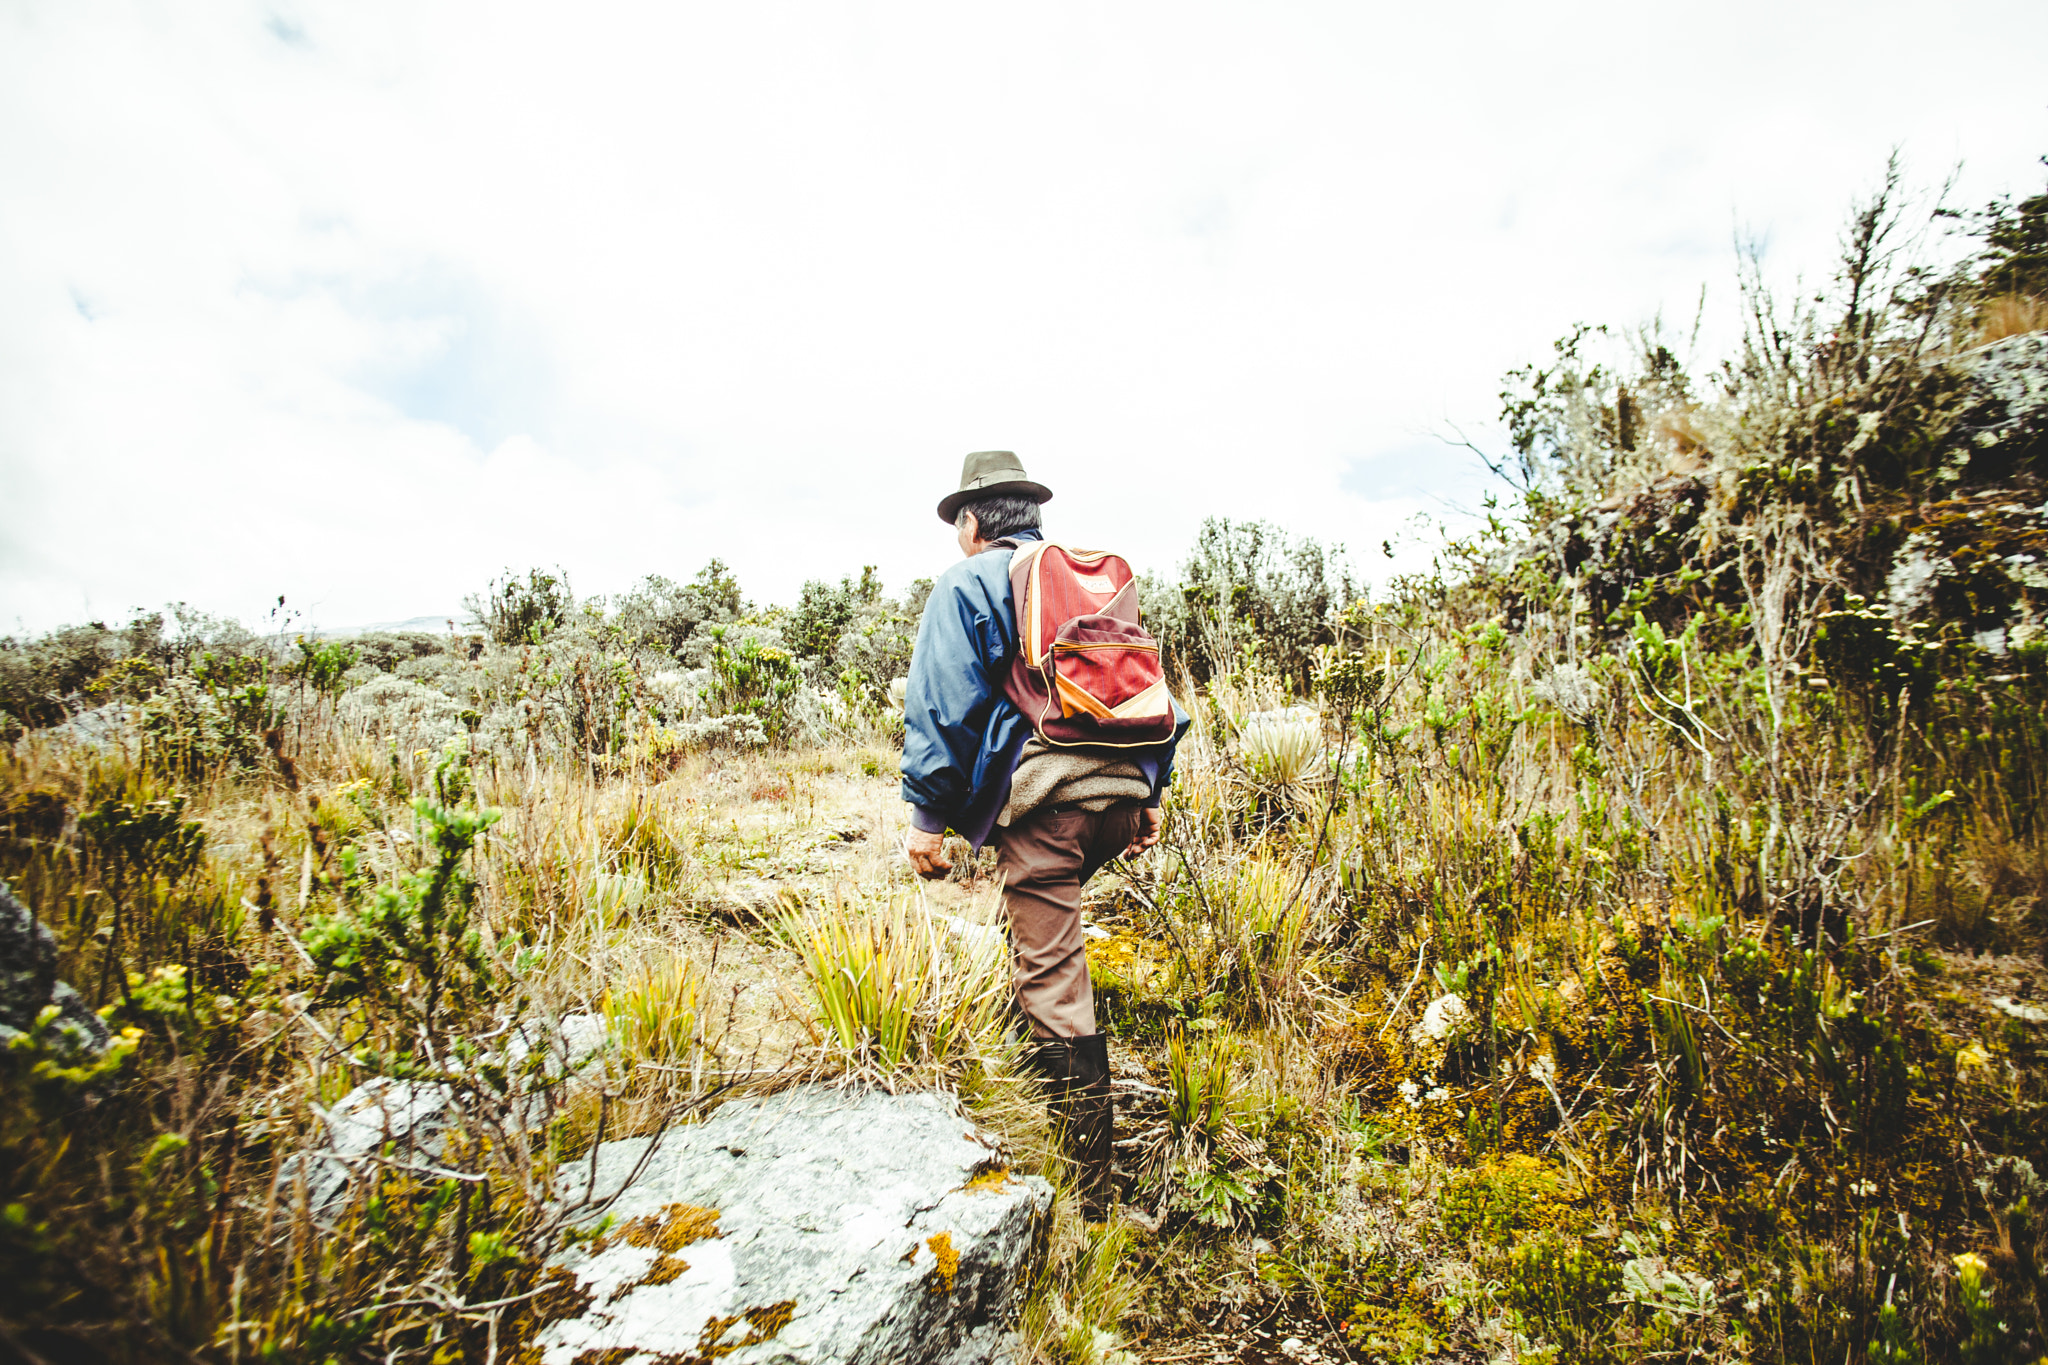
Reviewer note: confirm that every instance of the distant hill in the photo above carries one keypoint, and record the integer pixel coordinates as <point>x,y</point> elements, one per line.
<point>438,624</point>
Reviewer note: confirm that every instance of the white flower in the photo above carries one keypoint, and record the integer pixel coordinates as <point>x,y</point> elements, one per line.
<point>1440,1020</point>
<point>1409,1090</point>
<point>1437,1094</point>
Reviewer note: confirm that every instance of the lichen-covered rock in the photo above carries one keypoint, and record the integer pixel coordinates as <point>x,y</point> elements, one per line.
<point>29,984</point>
<point>409,1118</point>
<point>815,1226</point>
<point>28,963</point>
<point>2009,381</point>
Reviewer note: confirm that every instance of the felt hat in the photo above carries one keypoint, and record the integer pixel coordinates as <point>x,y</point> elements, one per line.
<point>986,474</point>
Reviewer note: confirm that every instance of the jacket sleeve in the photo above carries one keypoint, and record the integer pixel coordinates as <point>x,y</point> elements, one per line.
<point>1158,765</point>
<point>950,706</point>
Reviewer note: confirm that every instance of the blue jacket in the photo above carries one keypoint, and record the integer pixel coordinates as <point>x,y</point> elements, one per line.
<point>961,734</point>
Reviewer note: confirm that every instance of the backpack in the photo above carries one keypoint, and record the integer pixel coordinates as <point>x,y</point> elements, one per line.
<point>1086,673</point>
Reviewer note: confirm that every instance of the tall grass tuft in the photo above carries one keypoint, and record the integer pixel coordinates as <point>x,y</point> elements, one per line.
<point>655,1013</point>
<point>898,990</point>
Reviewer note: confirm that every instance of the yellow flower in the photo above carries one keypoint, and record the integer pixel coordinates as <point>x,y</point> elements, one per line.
<point>1973,1055</point>
<point>1970,1265</point>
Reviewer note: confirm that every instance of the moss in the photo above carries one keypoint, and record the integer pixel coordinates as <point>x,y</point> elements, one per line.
<point>561,1296</point>
<point>1503,1197</point>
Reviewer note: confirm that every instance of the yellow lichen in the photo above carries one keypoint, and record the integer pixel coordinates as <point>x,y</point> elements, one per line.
<point>940,1281</point>
<point>674,1228</point>
<point>763,1323</point>
<point>666,1268</point>
<point>990,1181</point>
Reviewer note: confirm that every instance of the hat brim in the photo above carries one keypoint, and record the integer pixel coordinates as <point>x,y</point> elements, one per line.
<point>950,505</point>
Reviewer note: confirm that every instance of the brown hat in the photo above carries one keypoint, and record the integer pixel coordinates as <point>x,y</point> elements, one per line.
<point>986,474</point>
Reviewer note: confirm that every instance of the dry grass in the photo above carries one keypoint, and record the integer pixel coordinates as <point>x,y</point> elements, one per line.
<point>2010,315</point>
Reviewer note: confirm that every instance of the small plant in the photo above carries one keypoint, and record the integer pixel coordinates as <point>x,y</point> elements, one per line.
<point>1081,1298</point>
<point>654,1013</point>
<point>1561,1290</point>
<point>1282,749</point>
<point>753,679</point>
<point>411,945</point>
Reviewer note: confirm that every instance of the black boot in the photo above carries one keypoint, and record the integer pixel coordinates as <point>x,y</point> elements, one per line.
<point>1077,1072</point>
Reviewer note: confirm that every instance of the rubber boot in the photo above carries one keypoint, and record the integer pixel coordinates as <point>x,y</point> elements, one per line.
<point>1077,1072</point>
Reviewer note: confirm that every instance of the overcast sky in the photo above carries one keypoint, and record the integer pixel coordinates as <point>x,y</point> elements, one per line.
<point>362,302</point>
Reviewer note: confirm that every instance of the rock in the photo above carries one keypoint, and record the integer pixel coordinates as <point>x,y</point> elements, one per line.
<point>29,984</point>
<point>98,728</point>
<point>2033,1014</point>
<point>746,902</point>
<point>412,1116</point>
<point>810,1227</point>
<point>28,963</point>
<point>2009,381</point>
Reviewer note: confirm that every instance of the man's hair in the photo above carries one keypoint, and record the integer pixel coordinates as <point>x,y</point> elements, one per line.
<point>998,516</point>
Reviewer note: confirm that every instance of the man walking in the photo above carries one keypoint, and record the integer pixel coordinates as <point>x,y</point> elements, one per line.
<point>1056,813</point>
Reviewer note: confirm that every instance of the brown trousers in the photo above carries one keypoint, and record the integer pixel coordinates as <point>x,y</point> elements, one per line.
<point>1044,858</point>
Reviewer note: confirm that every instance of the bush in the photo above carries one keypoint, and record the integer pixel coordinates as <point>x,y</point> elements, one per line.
<point>522,611</point>
<point>1250,586</point>
<point>386,650</point>
<point>404,712</point>
<point>675,618</point>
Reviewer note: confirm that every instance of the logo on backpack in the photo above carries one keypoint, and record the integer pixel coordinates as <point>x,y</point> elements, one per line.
<point>1086,674</point>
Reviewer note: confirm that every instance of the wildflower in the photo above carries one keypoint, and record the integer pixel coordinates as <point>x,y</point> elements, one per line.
<point>1973,1056</point>
<point>1970,1265</point>
<point>1409,1090</point>
<point>1437,1094</point>
<point>1863,1189</point>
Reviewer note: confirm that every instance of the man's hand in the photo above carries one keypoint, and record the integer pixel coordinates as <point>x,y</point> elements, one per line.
<point>927,854</point>
<point>1150,821</point>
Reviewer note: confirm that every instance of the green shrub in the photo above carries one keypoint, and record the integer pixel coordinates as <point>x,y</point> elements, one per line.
<point>523,611</point>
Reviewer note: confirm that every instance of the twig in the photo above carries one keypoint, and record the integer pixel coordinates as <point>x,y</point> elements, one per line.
<point>285,929</point>
<point>1395,1012</point>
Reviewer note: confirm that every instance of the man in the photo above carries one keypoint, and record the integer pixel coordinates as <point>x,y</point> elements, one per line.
<point>971,763</point>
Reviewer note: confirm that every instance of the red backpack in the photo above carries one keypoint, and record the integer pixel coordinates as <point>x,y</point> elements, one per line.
<point>1086,674</point>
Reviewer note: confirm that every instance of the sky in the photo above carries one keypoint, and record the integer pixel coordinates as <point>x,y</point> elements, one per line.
<point>363,302</point>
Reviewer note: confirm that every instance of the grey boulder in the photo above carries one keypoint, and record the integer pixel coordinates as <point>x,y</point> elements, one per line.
<point>815,1226</point>
<point>409,1119</point>
<point>29,985</point>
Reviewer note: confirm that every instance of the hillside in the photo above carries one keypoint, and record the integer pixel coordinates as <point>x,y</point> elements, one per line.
<point>1623,942</point>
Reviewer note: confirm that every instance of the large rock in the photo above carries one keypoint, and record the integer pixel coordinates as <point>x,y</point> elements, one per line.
<point>29,984</point>
<point>814,1226</point>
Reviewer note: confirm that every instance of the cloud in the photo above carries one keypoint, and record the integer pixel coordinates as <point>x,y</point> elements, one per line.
<point>364,302</point>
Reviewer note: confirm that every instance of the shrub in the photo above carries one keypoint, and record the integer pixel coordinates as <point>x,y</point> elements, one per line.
<point>823,612</point>
<point>675,618</point>
<point>1249,584</point>
<point>386,650</point>
<point>520,611</point>
<point>403,712</point>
